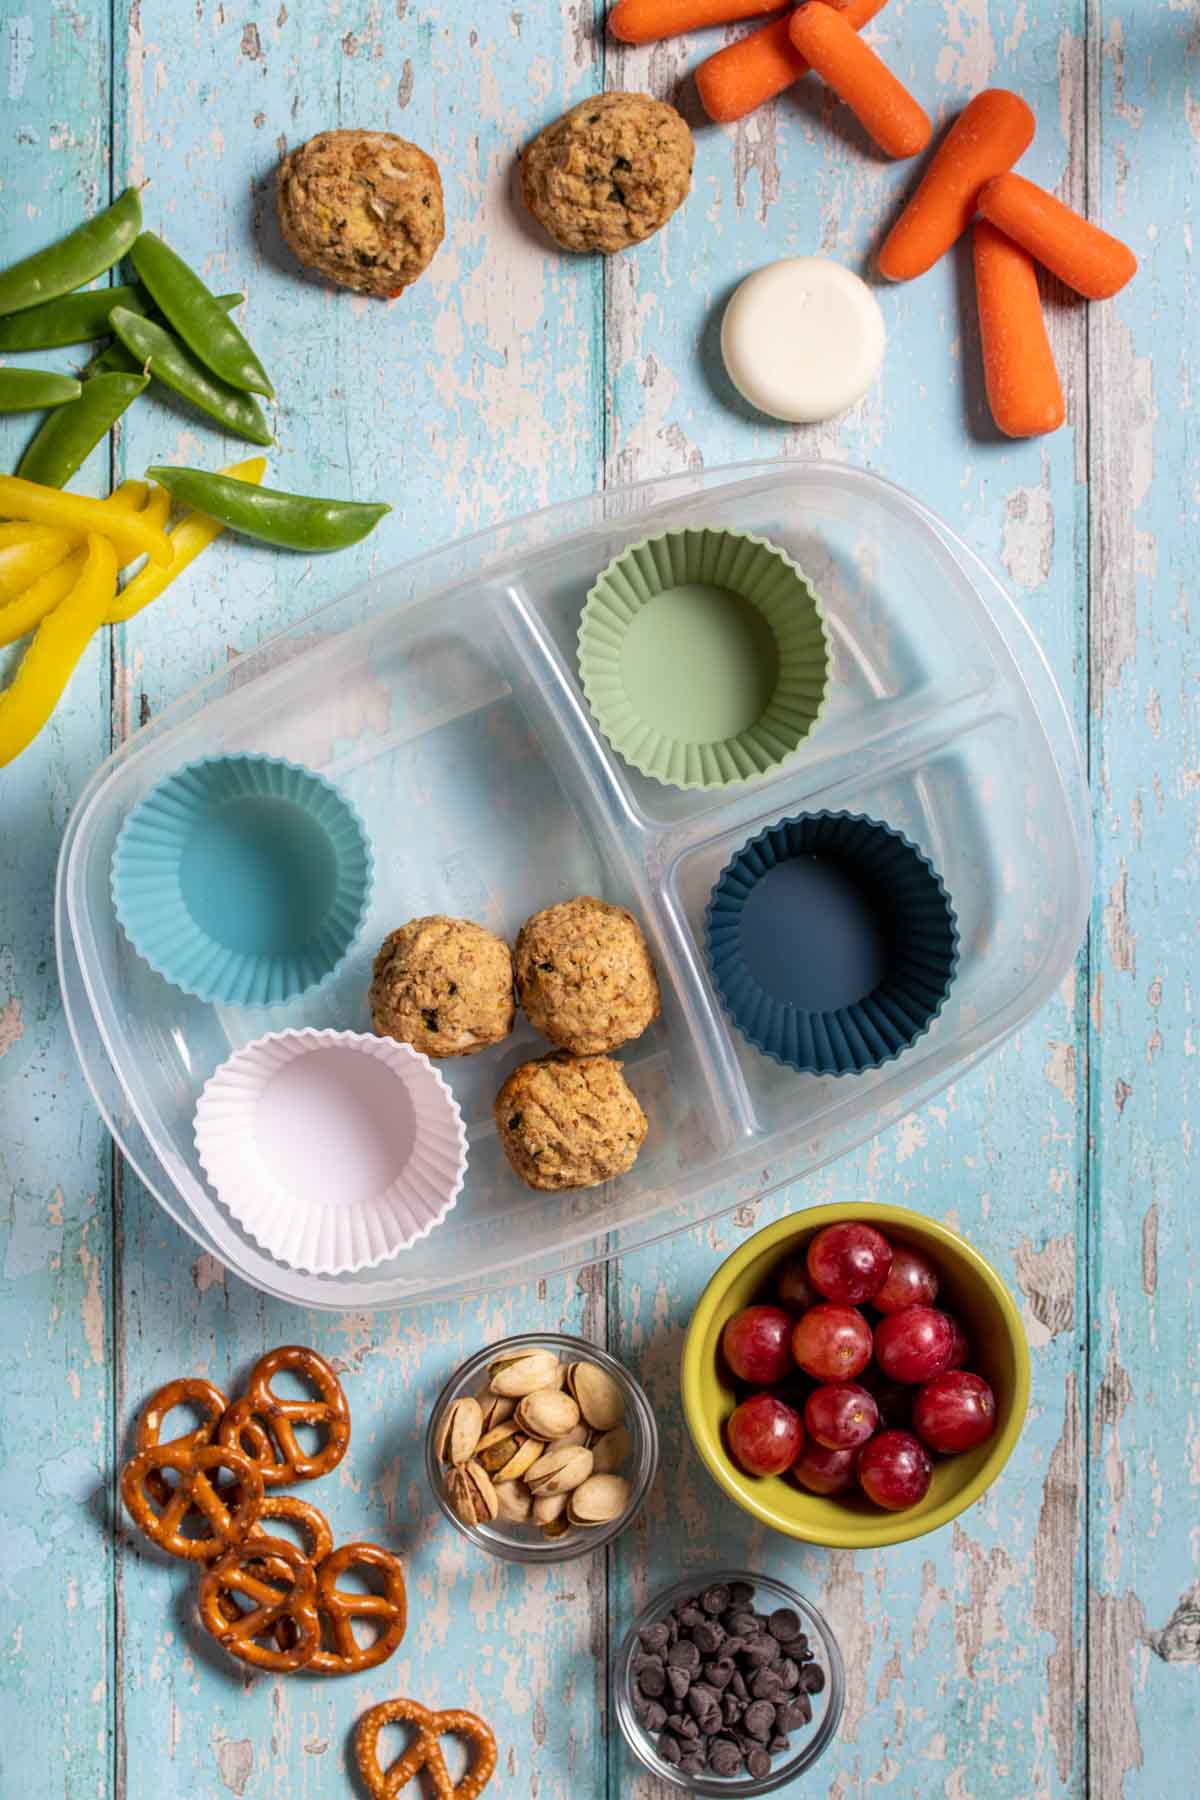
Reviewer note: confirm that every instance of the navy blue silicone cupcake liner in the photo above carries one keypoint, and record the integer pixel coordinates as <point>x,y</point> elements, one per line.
<point>832,942</point>
<point>243,879</point>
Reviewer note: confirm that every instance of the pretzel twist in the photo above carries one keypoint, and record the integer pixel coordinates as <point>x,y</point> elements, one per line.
<point>425,1752</point>
<point>278,1579</point>
<point>230,1511</point>
<point>264,1426</point>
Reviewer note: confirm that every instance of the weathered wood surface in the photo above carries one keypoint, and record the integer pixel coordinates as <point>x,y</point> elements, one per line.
<point>1048,1644</point>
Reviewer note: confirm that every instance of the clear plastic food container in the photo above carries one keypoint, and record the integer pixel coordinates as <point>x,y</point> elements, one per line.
<point>444,699</point>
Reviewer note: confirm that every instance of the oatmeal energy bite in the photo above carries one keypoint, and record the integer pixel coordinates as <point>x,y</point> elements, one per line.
<point>445,986</point>
<point>362,208</point>
<point>608,173</point>
<point>569,1121</point>
<point>584,975</point>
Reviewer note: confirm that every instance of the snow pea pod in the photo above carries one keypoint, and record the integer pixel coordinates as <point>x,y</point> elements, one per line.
<point>197,315</point>
<point>75,260</point>
<point>171,362</point>
<point>68,435</point>
<point>79,318</point>
<point>291,521</point>
<point>117,360</point>
<point>27,390</point>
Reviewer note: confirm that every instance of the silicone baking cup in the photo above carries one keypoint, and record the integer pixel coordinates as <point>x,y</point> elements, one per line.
<point>334,1150</point>
<point>242,879</point>
<point>832,943</point>
<point>704,657</point>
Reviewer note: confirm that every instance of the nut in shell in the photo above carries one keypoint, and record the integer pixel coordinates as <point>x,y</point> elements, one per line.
<point>598,1500</point>
<point>525,1373</point>
<point>472,1495</point>
<point>506,1453</point>
<point>514,1501</point>
<point>460,1431</point>
<point>548,1414</point>
<point>495,1408</point>
<point>600,1399</point>
<point>610,1450</point>
<point>578,1434</point>
<point>549,1507</point>
<point>561,1468</point>
<point>557,1527</point>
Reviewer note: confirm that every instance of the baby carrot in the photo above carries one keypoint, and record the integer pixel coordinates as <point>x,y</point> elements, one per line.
<point>1089,260</point>
<point>733,81</point>
<point>642,21</point>
<point>989,134</point>
<point>882,105</point>
<point>1018,364</point>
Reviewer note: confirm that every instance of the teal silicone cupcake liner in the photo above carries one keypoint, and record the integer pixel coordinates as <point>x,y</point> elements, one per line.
<point>243,879</point>
<point>704,657</point>
<point>832,943</point>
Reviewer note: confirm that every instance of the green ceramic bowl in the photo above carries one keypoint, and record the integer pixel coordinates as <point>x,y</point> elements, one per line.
<point>704,657</point>
<point>970,1287</point>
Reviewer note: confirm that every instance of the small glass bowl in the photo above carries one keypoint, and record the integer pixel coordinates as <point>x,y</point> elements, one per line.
<point>525,1543</point>
<point>827,1705</point>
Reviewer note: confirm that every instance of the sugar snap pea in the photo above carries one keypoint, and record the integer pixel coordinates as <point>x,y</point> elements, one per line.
<point>197,315</point>
<point>79,318</point>
<point>74,260</point>
<point>162,354</point>
<point>116,360</point>
<point>26,390</point>
<point>70,433</point>
<point>291,521</point>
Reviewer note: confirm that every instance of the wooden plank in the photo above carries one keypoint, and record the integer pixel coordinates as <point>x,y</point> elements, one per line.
<point>964,1650</point>
<point>1144,1261</point>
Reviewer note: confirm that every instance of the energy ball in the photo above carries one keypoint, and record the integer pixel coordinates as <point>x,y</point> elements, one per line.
<point>608,173</point>
<point>445,986</point>
<point>569,1121</point>
<point>584,975</point>
<point>362,208</point>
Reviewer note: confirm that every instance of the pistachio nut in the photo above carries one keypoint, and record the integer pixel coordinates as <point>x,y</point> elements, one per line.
<point>609,1450</point>
<point>578,1434</point>
<point>561,1468</point>
<point>524,1373</point>
<point>598,1500</point>
<point>549,1414</point>
<point>600,1399</point>
<point>514,1501</point>
<point>506,1453</point>
<point>494,1407</point>
<point>548,1507</point>
<point>557,1527</point>
<point>460,1431</point>
<point>472,1495</point>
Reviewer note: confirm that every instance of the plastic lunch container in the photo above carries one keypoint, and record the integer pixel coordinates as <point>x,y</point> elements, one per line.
<point>444,700</point>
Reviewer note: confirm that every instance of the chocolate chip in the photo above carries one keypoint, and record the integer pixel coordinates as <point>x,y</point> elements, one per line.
<point>779,1743</point>
<point>741,1593</point>
<point>645,1659</point>
<point>724,1758</point>
<point>692,1763</point>
<point>760,1719</point>
<point>669,1748</point>
<point>652,1681</point>
<point>675,1722</point>
<point>689,1617</point>
<point>812,1678</point>
<point>766,1685</point>
<point>719,1674</point>
<point>796,1713</point>
<point>738,1685</point>
<point>742,1624</point>
<point>684,1655</point>
<point>655,1638</point>
<point>758,1764</point>
<point>784,1624</point>
<point>763,1650</point>
<point>708,1637</point>
<point>733,1645</point>
<point>799,1648</point>
<point>652,1713</point>
<point>680,1680</point>
<point>731,1708</point>
<point>789,1673</point>
<point>715,1599</point>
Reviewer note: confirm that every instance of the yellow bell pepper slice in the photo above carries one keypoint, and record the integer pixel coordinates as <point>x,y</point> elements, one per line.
<point>194,532</point>
<point>74,512</point>
<point>26,552</point>
<point>29,608</point>
<point>132,495</point>
<point>61,640</point>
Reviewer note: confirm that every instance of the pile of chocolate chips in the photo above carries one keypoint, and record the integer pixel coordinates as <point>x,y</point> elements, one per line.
<point>719,1686</point>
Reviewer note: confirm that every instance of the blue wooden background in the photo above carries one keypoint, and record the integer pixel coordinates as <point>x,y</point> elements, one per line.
<point>1048,1643</point>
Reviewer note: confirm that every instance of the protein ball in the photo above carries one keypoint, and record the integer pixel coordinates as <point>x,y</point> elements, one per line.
<point>608,173</point>
<point>569,1122</point>
<point>445,986</point>
<point>584,975</point>
<point>362,208</point>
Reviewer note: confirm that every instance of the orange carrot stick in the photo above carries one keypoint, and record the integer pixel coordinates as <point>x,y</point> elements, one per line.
<point>744,75</point>
<point>1089,260</point>
<point>989,134</point>
<point>642,21</point>
<point>882,105</point>
<point>1018,364</point>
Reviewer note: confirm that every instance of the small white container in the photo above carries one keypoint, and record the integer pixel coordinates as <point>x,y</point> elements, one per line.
<point>334,1150</point>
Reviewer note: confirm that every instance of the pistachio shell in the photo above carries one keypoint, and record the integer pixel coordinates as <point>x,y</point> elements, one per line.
<point>548,1507</point>
<point>578,1434</point>
<point>598,1500</point>
<point>523,1457</point>
<point>556,1528</point>
<point>548,1414</point>
<point>610,1450</point>
<point>460,1431</point>
<point>472,1495</point>
<point>600,1399</point>
<point>524,1373</point>
<point>496,1446</point>
<point>562,1468</point>
<point>496,1408</point>
<point>514,1501</point>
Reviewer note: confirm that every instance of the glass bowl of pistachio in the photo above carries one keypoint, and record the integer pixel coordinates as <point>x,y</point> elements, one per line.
<point>541,1448</point>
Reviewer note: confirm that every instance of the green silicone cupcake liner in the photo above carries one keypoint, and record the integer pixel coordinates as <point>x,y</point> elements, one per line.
<point>704,657</point>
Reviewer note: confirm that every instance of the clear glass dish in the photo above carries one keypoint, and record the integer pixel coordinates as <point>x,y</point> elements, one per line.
<point>444,699</point>
<point>525,1543</point>
<point>827,1705</point>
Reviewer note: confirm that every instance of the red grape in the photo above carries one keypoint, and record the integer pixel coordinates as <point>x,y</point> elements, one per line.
<point>757,1344</point>
<point>953,1412</point>
<point>849,1263</point>
<point>912,1281</point>
<point>893,1399</point>
<point>832,1343</point>
<point>824,1471</point>
<point>894,1470</point>
<point>765,1436</point>
<point>794,1287</point>
<point>841,1415</point>
<point>958,1355</point>
<point>915,1344</point>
